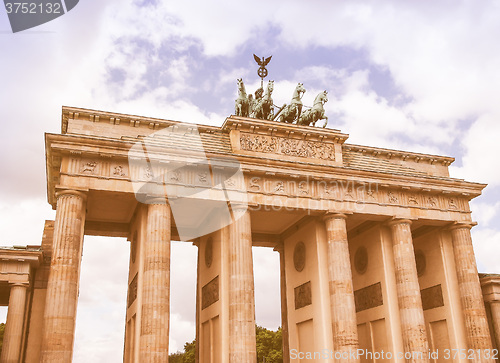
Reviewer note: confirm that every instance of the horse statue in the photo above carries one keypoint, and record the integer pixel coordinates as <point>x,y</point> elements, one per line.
<point>241,107</point>
<point>291,112</point>
<point>263,107</point>
<point>317,112</point>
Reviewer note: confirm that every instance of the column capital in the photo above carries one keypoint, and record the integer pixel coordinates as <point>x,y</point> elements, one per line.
<point>19,284</point>
<point>335,215</point>
<point>459,225</point>
<point>155,199</point>
<point>79,193</point>
<point>238,207</point>
<point>395,221</point>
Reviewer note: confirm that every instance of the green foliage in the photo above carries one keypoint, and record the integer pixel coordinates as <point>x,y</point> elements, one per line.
<point>188,356</point>
<point>268,347</point>
<point>2,330</point>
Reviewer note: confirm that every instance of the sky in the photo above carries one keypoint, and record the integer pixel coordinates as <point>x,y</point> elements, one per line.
<point>411,75</point>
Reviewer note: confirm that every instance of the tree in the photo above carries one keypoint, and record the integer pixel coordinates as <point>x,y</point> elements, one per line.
<point>188,356</point>
<point>268,347</point>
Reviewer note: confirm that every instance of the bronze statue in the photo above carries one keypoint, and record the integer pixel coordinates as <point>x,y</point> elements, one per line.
<point>241,103</point>
<point>292,111</point>
<point>317,112</point>
<point>263,107</point>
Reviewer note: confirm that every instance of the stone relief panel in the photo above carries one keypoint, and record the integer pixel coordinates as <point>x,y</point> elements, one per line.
<point>303,295</point>
<point>210,293</point>
<point>289,147</point>
<point>368,297</point>
<point>432,297</point>
<point>132,291</point>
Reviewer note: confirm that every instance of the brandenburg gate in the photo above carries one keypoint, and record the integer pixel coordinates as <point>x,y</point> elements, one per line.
<point>375,244</point>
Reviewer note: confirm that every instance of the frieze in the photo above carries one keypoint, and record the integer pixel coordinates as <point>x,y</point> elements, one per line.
<point>210,293</point>
<point>271,184</point>
<point>289,147</point>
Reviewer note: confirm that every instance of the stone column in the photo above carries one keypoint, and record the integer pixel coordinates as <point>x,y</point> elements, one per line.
<point>476,323</point>
<point>284,305</point>
<point>408,290</point>
<point>13,334</point>
<point>62,288</point>
<point>155,316</point>
<point>242,344</point>
<point>495,317</point>
<point>345,330</point>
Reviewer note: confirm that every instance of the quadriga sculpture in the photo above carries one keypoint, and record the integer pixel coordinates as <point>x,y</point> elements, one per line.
<point>317,112</point>
<point>264,107</point>
<point>241,106</point>
<point>291,112</point>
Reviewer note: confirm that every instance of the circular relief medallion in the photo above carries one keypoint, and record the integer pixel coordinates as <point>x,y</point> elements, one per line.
<point>420,261</point>
<point>361,260</point>
<point>209,252</point>
<point>299,256</point>
<point>133,247</point>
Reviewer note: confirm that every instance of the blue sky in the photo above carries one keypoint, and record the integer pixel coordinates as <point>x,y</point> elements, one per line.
<point>413,75</point>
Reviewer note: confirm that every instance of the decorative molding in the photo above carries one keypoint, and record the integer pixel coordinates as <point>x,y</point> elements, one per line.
<point>361,260</point>
<point>287,146</point>
<point>299,256</point>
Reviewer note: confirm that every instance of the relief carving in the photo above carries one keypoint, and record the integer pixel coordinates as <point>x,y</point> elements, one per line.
<point>303,187</point>
<point>210,293</point>
<point>290,147</point>
<point>432,297</point>
<point>368,297</point>
<point>392,197</point>
<point>452,204</point>
<point>299,256</point>
<point>202,177</point>
<point>132,291</point>
<point>254,184</point>
<point>303,295</point>
<point>118,171</point>
<point>361,260</point>
<point>412,199</point>
<point>89,167</point>
<point>432,202</point>
<point>279,187</point>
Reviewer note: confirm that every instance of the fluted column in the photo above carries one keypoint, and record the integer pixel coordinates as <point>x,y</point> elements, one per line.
<point>345,331</point>
<point>242,346</point>
<point>155,317</point>
<point>13,334</point>
<point>62,287</point>
<point>408,290</point>
<point>476,324</point>
<point>495,316</point>
<point>284,305</point>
